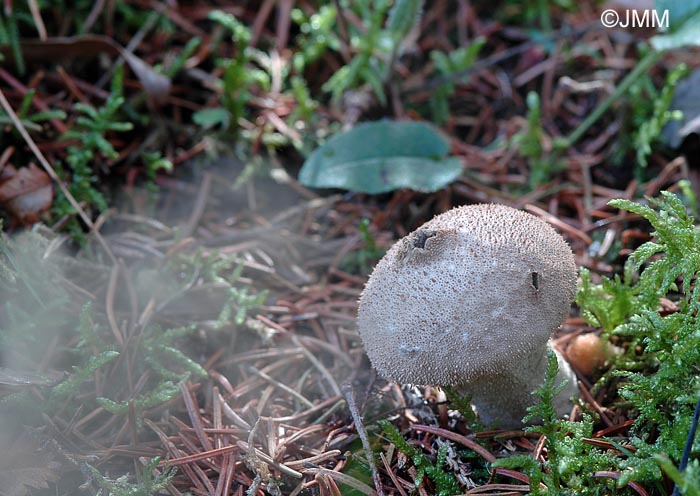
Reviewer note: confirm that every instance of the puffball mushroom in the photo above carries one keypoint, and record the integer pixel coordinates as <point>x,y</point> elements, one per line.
<point>470,300</point>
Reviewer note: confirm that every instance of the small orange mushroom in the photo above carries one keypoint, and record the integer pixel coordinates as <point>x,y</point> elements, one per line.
<point>587,353</point>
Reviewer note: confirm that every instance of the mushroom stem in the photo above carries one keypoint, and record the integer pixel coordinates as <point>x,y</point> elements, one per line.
<point>501,400</point>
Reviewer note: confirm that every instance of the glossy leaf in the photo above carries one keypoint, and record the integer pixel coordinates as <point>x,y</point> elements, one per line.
<point>684,24</point>
<point>382,156</point>
<point>679,11</point>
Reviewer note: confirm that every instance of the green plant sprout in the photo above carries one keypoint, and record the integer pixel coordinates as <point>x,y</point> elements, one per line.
<point>535,11</point>
<point>71,384</point>
<point>154,161</point>
<point>316,36</point>
<point>686,476</point>
<point>376,49</point>
<point>365,67</point>
<point>570,460</point>
<point>247,71</point>
<point>148,485</point>
<point>652,56</point>
<point>651,122</point>
<point>238,77</point>
<point>95,123</point>
<point>447,65</point>
<point>445,482</point>
<point>155,351</point>
<point>78,172</point>
<point>529,141</point>
<point>363,259</point>
<point>662,384</point>
<point>240,300</point>
<point>10,18</point>
<point>687,481</point>
<point>178,63</point>
<point>403,17</point>
<point>32,120</point>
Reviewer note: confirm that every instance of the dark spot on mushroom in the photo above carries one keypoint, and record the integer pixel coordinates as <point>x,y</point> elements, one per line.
<point>421,237</point>
<point>535,280</point>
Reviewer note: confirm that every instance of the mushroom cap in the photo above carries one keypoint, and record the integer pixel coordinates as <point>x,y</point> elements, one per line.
<point>465,295</point>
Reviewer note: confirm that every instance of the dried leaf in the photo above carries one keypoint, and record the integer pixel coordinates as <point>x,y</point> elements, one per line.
<point>156,85</point>
<point>25,465</point>
<point>25,193</point>
<point>11,377</point>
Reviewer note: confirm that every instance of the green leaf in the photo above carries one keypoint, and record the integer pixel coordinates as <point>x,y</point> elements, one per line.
<point>404,14</point>
<point>687,481</point>
<point>382,156</point>
<point>210,117</point>
<point>81,374</point>
<point>678,11</point>
<point>686,33</point>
